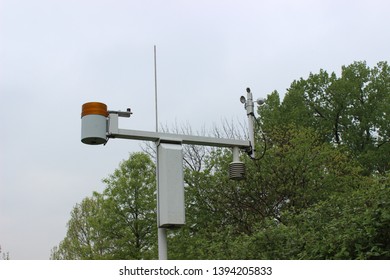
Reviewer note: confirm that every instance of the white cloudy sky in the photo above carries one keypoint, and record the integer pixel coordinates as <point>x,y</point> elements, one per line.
<point>56,55</point>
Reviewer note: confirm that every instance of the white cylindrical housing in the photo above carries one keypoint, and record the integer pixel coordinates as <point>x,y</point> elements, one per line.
<point>93,129</point>
<point>94,123</point>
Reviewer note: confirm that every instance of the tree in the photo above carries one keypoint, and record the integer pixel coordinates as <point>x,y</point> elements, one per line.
<point>310,158</point>
<point>350,111</point>
<point>129,204</point>
<point>4,256</point>
<point>353,225</point>
<point>83,239</point>
<point>119,223</point>
<point>318,189</point>
<point>297,172</point>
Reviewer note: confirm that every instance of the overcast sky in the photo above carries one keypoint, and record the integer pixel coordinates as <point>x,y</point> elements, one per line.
<point>57,55</point>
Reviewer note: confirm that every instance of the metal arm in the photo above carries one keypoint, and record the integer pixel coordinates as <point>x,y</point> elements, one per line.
<point>115,132</point>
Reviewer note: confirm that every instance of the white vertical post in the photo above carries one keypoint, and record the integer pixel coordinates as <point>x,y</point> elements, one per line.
<point>162,244</point>
<point>161,232</point>
<point>236,154</point>
<point>249,111</point>
<point>113,123</point>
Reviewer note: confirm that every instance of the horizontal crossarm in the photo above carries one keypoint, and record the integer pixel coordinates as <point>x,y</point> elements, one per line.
<point>115,132</point>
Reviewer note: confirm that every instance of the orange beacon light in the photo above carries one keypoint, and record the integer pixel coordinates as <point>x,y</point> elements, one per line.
<point>94,123</point>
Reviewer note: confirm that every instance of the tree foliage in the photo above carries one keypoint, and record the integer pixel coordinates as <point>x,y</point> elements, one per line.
<point>353,225</point>
<point>319,188</point>
<point>4,256</point>
<point>350,111</point>
<point>118,223</point>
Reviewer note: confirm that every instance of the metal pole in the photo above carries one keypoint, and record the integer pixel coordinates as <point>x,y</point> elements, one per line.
<point>236,154</point>
<point>161,232</point>
<point>162,244</point>
<point>250,112</point>
<point>155,84</point>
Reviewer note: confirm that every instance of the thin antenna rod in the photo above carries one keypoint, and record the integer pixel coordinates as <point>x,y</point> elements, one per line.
<point>155,84</point>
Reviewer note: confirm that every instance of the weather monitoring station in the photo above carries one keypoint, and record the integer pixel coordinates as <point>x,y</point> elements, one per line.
<point>98,125</point>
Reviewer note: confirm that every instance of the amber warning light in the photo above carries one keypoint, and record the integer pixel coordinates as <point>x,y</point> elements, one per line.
<point>94,123</point>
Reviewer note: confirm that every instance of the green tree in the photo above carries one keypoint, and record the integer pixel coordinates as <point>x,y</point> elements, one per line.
<point>310,158</point>
<point>4,256</point>
<point>119,223</point>
<point>351,110</point>
<point>297,171</point>
<point>318,189</point>
<point>353,225</point>
<point>83,239</point>
<point>129,205</point>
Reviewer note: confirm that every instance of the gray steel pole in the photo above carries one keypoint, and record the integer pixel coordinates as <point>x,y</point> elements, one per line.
<point>161,232</point>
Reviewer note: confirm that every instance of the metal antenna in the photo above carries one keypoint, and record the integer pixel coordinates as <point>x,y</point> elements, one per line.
<point>155,85</point>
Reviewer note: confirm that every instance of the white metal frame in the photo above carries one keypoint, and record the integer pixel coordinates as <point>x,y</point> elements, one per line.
<point>113,131</point>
